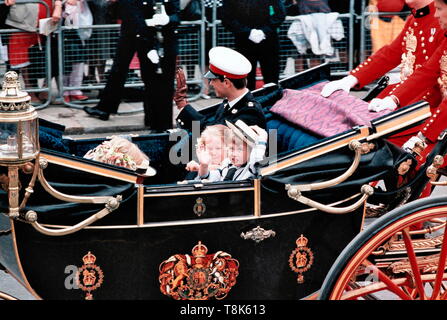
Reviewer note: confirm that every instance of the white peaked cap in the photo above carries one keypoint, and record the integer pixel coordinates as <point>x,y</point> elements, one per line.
<point>228,63</point>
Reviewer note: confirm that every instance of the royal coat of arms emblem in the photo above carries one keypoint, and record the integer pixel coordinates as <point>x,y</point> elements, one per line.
<point>201,276</point>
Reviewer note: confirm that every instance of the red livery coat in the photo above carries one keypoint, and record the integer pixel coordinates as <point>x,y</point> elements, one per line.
<point>416,43</point>
<point>432,74</point>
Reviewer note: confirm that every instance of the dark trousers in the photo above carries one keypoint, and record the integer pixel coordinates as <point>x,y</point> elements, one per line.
<point>266,53</point>
<point>159,88</point>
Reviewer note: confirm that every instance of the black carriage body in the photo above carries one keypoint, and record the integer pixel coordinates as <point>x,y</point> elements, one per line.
<point>158,218</point>
<point>130,257</point>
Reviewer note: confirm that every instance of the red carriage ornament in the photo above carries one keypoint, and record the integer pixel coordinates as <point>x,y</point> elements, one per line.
<point>301,259</point>
<point>201,276</point>
<point>90,276</point>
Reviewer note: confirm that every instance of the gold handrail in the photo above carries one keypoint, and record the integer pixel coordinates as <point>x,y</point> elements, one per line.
<point>65,197</point>
<point>359,149</point>
<point>111,205</point>
<point>294,191</point>
<point>366,190</point>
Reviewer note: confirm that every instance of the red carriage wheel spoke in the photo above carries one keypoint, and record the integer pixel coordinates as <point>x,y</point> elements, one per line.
<point>411,292</point>
<point>444,296</point>
<point>389,283</point>
<point>441,267</point>
<point>414,264</point>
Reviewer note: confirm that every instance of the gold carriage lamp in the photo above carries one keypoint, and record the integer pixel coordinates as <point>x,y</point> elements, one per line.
<point>19,149</point>
<point>19,134</point>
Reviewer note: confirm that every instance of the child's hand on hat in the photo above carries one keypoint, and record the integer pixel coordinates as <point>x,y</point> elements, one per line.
<point>262,135</point>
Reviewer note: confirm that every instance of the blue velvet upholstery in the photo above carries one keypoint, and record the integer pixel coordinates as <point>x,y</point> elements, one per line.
<point>289,136</point>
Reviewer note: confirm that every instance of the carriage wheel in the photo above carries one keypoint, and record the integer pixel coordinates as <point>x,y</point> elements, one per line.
<point>394,258</point>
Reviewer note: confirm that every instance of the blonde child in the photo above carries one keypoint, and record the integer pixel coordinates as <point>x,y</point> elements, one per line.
<point>211,153</point>
<point>224,156</point>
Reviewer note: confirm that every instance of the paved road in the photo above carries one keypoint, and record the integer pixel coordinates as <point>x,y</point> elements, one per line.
<point>12,287</point>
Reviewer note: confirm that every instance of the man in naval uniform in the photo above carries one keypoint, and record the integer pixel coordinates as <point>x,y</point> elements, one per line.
<point>228,71</point>
<point>416,43</point>
<point>152,35</point>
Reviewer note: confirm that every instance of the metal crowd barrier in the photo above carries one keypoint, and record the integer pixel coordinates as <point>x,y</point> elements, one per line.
<point>291,61</point>
<point>32,64</point>
<point>375,25</point>
<point>98,53</point>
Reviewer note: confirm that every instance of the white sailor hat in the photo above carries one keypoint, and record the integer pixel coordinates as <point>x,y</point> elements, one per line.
<point>226,62</point>
<point>243,131</point>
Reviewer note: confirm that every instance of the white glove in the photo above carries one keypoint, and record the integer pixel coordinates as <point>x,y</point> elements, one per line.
<point>158,19</point>
<point>346,84</point>
<point>153,56</point>
<point>377,105</point>
<point>410,145</point>
<point>256,35</point>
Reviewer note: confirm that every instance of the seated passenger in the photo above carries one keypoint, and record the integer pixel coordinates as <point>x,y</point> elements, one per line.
<point>122,153</point>
<point>211,153</point>
<point>245,155</point>
<point>239,156</point>
<point>228,76</point>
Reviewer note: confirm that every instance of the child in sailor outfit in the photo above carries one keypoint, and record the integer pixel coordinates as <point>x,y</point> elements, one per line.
<point>211,153</point>
<point>238,157</point>
<point>245,155</point>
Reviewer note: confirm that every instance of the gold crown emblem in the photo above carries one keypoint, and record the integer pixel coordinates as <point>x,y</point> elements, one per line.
<point>301,241</point>
<point>89,258</point>
<point>199,250</point>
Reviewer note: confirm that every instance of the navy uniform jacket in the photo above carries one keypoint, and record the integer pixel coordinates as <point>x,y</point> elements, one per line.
<point>240,17</point>
<point>135,12</point>
<point>247,109</point>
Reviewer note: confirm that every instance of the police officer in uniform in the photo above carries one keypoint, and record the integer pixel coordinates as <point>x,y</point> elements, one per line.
<point>228,71</point>
<point>152,34</point>
<point>416,43</point>
<point>254,24</point>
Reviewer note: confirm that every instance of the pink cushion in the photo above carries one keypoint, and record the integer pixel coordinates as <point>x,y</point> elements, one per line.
<point>324,116</point>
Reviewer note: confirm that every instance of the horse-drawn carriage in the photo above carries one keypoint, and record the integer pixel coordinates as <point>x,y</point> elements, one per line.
<point>92,230</point>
